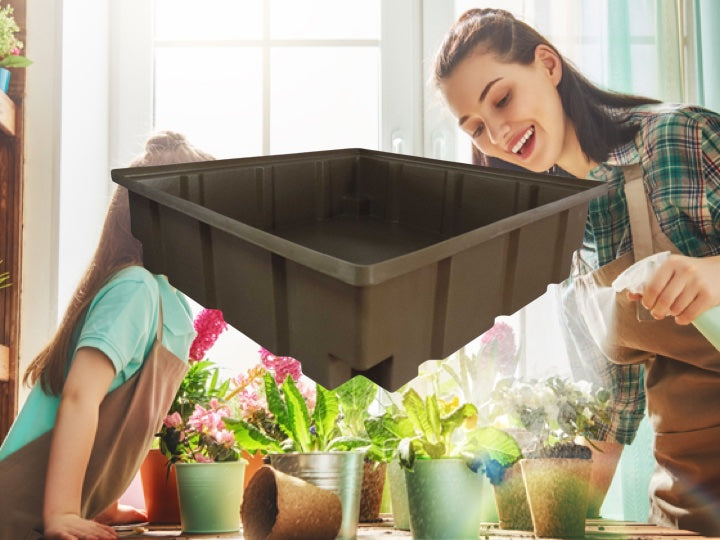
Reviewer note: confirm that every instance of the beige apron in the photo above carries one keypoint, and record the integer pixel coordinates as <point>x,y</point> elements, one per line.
<point>682,382</point>
<point>129,417</point>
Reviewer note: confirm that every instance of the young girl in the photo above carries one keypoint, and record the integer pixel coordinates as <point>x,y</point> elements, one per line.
<point>522,103</point>
<point>101,386</point>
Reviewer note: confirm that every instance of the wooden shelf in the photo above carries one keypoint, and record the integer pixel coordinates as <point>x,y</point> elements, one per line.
<point>7,114</point>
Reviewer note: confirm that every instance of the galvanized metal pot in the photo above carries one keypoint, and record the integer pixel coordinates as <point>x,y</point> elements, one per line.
<point>340,472</point>
<point>445,498</point>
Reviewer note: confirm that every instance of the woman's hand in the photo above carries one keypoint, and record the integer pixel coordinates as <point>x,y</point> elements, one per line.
<point>73,527</point>
<point>683,287</point>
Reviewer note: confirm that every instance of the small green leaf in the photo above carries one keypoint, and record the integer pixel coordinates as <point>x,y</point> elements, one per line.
<point>433,415</point>
<point>276,405</point>
<point>455,419</point>
<point>415,408</point>
<point>250,437</point>
<point>298,416</point>
<point>325,414</point>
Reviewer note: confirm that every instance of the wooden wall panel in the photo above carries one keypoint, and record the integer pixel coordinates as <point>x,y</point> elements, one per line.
<point>11,204</point>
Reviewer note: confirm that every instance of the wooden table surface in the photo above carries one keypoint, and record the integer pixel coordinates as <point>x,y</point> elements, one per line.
<point>597,529</point>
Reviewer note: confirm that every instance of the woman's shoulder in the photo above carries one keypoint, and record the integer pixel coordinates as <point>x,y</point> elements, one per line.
<point>673,119</point>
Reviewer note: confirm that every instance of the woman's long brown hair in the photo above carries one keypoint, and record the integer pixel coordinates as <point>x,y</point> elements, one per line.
<point>596,114</point>
<point>117,249</point>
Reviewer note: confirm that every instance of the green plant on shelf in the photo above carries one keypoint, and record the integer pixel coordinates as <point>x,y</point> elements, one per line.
<point>10,45</point>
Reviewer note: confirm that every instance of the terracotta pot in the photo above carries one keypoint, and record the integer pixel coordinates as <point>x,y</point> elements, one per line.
<point>557,491</point>
<point>511,501</point>
<point>255,461</point>
<point>160,489</point>
<point>372,491</point>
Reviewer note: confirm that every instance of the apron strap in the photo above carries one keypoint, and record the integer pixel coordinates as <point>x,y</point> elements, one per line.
<point>638,212</point>
<point>159,329</point>
<point>639,215</point>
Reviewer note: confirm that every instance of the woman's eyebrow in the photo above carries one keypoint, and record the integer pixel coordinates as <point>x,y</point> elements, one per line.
<point>484,93</point>
<point>487,89</point>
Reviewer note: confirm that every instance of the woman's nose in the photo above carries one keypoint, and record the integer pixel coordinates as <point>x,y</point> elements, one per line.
<point>497,130</point>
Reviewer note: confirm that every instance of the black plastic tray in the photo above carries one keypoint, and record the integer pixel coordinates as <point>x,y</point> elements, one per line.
<point>357,261</point>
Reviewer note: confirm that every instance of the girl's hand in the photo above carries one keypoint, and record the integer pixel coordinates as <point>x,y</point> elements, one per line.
<point>73,527</point>
<point>683,287</point>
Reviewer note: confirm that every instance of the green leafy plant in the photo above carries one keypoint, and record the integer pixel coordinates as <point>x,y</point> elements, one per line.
<point>303,431</point>
<point>10,45</point>
<point>437,434</point>
<point>386,431</point>
<point>553,411</point>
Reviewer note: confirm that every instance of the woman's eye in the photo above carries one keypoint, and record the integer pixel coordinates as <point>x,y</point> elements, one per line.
<point>504,100</point>
<point>478,131</point>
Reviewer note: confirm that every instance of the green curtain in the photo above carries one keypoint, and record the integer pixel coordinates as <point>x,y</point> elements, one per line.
<point>691,76</point>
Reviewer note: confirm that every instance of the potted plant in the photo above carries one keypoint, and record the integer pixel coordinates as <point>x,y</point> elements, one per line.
<point>385,431</point>
<point>355,398</point>
<point>553,414</point>
<point>444,464</point>
<point>210,469</point>
<point>248,401</point>
<point>10,47</point>
<point>200,384</point>
<point>308,445</point>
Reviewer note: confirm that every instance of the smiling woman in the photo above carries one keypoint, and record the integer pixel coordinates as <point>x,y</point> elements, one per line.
<point>523,103</point>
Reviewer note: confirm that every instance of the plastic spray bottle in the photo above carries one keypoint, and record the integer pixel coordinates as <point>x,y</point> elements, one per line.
<point>634,278</point>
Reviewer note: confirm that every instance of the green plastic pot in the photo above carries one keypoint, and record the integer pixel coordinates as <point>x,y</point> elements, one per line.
<point>398,496</point>
<point>210,496</point>
<point>445,498</point>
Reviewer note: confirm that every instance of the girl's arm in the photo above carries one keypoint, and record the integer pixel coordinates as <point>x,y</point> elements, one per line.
<point>77,419</point>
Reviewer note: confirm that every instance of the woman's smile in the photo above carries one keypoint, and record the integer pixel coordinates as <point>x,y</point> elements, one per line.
<point>525,143</point>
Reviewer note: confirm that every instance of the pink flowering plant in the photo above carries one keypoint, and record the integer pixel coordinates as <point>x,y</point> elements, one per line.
<point>194,429</point>
<point>10,45</point>
<point>248,397</point>
<point>278,410</point>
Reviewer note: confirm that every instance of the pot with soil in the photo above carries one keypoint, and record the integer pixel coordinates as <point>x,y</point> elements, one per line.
<point>371,491</point>
<point>557,483</point>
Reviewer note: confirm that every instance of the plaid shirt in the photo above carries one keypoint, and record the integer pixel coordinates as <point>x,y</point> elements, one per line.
<point>678,148</point>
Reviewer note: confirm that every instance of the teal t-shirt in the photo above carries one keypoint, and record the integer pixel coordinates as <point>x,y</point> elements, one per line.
<point>121,321</point>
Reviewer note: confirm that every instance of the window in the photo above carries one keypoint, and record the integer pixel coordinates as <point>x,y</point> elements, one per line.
<point>273,76</point>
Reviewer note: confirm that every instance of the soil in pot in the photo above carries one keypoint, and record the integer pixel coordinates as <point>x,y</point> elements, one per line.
<point>557,490</point>
<point>372,491</point>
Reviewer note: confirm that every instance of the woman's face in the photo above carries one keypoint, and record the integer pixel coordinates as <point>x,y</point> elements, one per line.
<point>511,111</point>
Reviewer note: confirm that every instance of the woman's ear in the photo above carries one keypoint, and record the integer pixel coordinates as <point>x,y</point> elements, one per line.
<point>550,62</point>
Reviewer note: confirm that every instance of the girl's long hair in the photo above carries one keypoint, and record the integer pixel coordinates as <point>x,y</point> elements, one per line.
<point>597,115</point>
<point>117,249</point>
